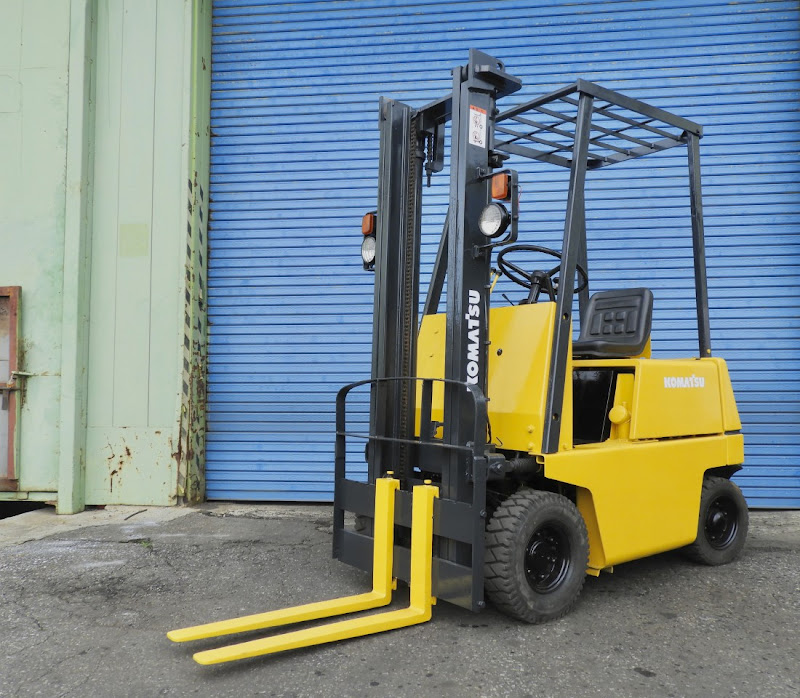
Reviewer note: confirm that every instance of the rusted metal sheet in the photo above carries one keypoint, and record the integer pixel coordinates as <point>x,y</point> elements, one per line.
<point>9,386</point>
<point>190,454</point>
<point>190,451</point>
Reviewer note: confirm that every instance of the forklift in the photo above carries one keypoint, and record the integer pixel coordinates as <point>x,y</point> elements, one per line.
<point>506,458</point>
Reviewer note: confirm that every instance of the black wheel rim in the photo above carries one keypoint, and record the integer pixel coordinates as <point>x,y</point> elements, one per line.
<point>547,558</point>
<point>722,522</point>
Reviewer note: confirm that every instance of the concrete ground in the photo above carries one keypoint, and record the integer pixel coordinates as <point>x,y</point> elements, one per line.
<point>85,602</point>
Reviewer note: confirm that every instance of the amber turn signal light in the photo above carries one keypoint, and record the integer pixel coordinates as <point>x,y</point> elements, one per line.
<point>368,223</point>
<point>501,186</point>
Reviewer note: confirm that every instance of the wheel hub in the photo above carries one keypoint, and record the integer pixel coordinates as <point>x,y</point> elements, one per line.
<point>547,558</point>
<point>722,522</point>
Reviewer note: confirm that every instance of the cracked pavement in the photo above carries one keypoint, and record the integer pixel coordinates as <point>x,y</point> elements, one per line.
<point>85,612</point>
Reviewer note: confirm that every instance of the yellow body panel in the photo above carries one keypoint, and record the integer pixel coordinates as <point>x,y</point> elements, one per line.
<point>430,363</point>
<point>676,397</point>
<point>520,338</point>
<point>735,444</point>
<point>638,491</point>
<point>730,415</point>
<point>639,498</point>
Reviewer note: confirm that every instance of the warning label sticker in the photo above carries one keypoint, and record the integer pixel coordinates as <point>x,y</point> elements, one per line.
<point>477,126</point>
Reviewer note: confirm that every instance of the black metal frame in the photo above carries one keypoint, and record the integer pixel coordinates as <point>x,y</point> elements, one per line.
<point>458,521</point>
<point>560,150</point>
<point>583,126</point>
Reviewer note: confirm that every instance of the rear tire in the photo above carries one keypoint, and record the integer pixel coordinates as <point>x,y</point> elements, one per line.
<point>723,523</point>
<point>537,551</point>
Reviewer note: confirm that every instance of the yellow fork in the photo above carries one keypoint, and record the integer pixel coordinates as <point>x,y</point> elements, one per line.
<point>381,594</point>
<point>418,611</point>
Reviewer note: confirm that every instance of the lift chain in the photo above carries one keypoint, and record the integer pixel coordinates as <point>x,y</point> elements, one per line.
<point>409,282</point>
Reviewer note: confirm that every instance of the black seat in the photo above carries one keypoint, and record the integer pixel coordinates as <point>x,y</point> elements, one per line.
<point>617,324</point>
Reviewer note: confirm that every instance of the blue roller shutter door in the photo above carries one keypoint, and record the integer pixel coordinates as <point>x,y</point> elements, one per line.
<point>294,163</point>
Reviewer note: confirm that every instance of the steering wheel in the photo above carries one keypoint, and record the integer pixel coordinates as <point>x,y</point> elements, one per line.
<point>536,281</point>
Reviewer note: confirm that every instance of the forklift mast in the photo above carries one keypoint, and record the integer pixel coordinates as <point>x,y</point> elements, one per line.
<point>412,144</point>
<point>465,258</point>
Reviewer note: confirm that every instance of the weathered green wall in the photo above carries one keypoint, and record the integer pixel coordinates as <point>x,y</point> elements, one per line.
<point>100,141</point>
<point>34,59</point>
<point>138,243</point>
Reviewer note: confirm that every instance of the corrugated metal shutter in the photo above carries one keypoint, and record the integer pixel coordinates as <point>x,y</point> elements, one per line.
<point>294,162</point>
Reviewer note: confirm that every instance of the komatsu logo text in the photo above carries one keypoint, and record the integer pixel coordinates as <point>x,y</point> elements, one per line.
<point>684,381</point>
<point>473,318</point>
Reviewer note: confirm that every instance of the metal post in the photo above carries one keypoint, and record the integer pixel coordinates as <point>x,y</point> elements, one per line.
<point>698,246</point>
<point>569,255</point>
<point>475,89</point>
<point>583,260</point>
<point>466,353</point>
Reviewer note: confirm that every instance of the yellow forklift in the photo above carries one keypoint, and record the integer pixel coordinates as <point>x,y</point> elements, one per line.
<point>507,459</point>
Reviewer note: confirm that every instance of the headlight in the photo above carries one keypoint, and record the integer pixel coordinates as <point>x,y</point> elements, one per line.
<point>494,220</point>
<point>368,250</point>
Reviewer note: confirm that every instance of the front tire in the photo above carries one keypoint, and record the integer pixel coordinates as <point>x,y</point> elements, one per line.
<point>723,523</point>
<point>537,551</point>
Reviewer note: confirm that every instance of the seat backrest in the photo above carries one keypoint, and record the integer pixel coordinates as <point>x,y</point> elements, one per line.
<point>617,324</point>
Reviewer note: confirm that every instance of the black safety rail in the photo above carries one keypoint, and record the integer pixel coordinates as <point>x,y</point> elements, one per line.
<point>462,522</point>
<point>621,128</point>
